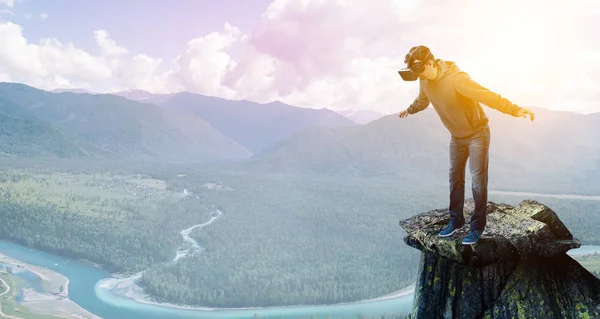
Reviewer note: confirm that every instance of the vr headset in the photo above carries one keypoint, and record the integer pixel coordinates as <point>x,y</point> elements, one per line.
<point>411,73</point>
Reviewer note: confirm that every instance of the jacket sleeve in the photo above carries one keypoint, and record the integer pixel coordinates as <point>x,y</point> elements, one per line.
<point>473,90</point>
<point>420,103</point>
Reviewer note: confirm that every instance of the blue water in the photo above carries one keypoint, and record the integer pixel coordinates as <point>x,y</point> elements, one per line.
<point>585,250</point>
<point>30,280</point>
<point>83,290</point>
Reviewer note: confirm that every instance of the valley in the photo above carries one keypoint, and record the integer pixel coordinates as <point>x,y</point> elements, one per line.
<point>249,243</point>
<point>189,207</point>
<point>280,240</point>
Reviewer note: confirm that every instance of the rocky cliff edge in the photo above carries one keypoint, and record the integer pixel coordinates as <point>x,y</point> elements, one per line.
<point>518,269</point>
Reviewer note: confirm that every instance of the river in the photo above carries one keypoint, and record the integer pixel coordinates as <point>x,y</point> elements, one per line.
<point>84,289</point>
<point>529,195</point>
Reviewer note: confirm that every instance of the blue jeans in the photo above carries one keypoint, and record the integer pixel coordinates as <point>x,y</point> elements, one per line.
<point>476,149</point>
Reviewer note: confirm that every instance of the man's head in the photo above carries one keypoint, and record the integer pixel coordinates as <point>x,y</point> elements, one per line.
<point>420,63</point>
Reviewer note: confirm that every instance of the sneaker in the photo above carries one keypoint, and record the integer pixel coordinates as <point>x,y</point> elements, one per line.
<point>449,230</point>
<point>472,238</point>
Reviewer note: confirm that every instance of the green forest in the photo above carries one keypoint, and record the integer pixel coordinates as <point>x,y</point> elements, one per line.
<point>121,232</point>
<point>281,240</point>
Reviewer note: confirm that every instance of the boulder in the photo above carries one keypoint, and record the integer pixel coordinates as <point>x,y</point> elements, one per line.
<point>518,269</point>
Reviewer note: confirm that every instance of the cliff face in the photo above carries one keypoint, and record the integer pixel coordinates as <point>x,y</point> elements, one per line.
<point>518,269</point>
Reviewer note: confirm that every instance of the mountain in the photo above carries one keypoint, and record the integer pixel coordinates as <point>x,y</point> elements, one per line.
<point>23,134</point>
<point>253,125</point>
<point>78,91</point>
<point>115,126</point>
<point>381,147</point>
<point>558,147</point>
<point>361,116</point>
<point>519,268</point>
<point>136,95</point>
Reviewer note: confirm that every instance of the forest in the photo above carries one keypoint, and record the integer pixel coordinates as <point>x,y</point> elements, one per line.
<point>79,216</point>
<point>281,239</point>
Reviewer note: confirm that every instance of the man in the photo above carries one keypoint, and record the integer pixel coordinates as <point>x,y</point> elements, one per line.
<point>456,99</point>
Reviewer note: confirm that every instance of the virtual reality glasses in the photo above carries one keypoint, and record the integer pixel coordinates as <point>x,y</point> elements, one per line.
<point>411,73</point>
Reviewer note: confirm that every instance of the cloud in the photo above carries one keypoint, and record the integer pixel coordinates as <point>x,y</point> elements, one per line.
<point>204,63</point>
<point>291,57</point>
<point>47,63</point>
<point>43,16</point>
<point>107,45</point>
<point>344,54</point>
<point>51,64</point>
<point>28,16</point>
<point>9,3</point>
<point>308,50</point>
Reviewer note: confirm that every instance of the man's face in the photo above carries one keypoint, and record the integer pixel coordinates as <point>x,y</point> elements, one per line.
<point>428,72</point>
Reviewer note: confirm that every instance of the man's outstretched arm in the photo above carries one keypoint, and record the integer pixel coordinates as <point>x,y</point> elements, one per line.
<point>473,90</point>
<point>420,103</point>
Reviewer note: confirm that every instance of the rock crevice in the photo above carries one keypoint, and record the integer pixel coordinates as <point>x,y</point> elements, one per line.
<point>518,269</point>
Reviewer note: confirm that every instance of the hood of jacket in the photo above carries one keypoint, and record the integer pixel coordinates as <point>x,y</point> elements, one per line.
<point>447,68</point>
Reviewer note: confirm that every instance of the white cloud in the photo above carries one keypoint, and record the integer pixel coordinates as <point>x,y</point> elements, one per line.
<point>262,72</point>
<point>204,63</point>
<point>42,64</point>
<point>4,77</point>
<point>44,16</point>
<point>343,54</point>
<point>108,45</point>
<point>28,16</point>
<point>339,54</point>
<point>9,3</point>
<point>139,72</point>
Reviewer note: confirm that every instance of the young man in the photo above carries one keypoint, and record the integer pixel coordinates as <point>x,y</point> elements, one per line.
<point>456,97</point>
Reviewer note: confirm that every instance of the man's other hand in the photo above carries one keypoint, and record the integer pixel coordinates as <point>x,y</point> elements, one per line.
<point>523,112</point>
<point>403,114</point>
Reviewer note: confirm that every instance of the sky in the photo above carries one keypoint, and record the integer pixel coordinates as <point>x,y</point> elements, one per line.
<point>338,54</point>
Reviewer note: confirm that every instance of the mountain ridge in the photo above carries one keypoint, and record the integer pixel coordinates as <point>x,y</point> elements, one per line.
<point>23,134</point>
<point>116,126</point>
<point>254,125</point>
<point>554,149</point>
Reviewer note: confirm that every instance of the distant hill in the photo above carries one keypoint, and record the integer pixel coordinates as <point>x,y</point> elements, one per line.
<point>361,116</point>
<point>555,148</point>
<point>135,95</point>
<point>23,134</point>
<point>253,125</point>
<point>115,126</point>
<point>381,147</point>
<point>78,91</point>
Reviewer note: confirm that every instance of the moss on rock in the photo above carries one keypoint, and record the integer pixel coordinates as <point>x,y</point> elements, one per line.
<point>518,269</point>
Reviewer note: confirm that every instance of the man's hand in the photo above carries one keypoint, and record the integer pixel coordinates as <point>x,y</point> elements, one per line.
<point>403,114</point>
<point>523,112</point>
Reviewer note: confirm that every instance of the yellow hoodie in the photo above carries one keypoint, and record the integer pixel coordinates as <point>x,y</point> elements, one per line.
<point>456,97</point>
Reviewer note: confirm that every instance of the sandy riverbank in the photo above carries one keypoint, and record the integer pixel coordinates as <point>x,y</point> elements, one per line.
<point>128,289</point>
<point>52,301</point>
<point>396,294</point>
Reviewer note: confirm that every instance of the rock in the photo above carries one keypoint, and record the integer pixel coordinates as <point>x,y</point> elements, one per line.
<point>518,269</point>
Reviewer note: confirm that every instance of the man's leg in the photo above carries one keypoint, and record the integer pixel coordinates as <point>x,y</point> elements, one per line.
<point>459,153</point>
<point>478,164</point>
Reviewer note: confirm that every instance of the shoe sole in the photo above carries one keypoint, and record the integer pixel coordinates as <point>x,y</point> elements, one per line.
<point>447,235</point>
<point>454,231</point>
<point>471,243</point>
